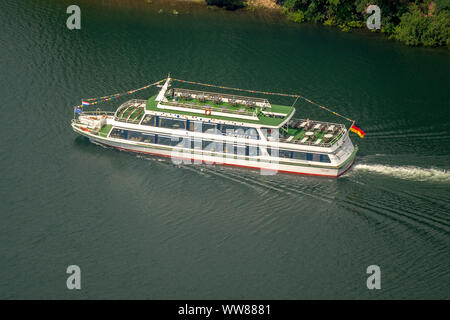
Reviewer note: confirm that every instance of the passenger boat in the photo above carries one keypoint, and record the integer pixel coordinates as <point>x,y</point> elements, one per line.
<point>192,126</point>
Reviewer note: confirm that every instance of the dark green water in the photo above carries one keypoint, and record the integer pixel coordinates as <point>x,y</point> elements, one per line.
<point>141,227</point>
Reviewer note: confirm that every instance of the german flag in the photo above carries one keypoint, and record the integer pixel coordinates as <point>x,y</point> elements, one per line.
<point>358,131</point>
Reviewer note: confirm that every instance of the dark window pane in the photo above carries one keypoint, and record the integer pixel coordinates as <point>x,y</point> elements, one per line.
<point>253,151</point>
<point>195,126</point>
<point>299,155</point>
<point>149,120</point>
<point>197,144</point>
<point>211,128</point>
<point>148,138</point>
<point>172,123</point>
<point>229,148</point>
<point>324,158</point>
<point>169,141</point>
<point>240,150</point>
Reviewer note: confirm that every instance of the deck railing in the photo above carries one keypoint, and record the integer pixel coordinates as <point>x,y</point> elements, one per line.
<point>338,132</point>
<point>215,108</point>
<point>125,105</point>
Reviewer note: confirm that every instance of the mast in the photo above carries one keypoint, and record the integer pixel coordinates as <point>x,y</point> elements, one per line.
<point>162,94</point>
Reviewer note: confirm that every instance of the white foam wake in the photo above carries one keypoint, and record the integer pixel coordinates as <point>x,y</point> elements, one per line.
<point>407,172</point>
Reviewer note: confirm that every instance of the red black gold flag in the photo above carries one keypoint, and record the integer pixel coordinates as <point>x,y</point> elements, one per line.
<point>358,131</point>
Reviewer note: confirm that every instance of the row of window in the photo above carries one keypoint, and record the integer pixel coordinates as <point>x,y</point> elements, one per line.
<point>214,146</point>
<point>299,155</point>
<point>196,144</point>
<point>199,126</point>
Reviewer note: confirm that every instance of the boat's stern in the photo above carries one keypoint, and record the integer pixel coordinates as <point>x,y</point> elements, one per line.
<point>91,122</point>
<point>346,155</point>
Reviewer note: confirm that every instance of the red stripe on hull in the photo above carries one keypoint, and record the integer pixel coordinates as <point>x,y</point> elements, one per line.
<point>234,165</point>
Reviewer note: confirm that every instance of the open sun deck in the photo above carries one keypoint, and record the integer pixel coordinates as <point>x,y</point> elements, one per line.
<point>272,116</point>
<point>314,133</point>
<point>131,111</point>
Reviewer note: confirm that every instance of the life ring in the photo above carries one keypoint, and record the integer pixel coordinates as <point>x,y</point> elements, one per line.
<point>104,116</point>
<point>208,112</point>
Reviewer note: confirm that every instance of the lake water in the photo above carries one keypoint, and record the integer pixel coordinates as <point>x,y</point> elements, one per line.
<point>142,227</point>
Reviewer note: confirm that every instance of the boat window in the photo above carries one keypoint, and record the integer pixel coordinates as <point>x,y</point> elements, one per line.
<point>194,126</point>
<point>118,133</point>
<point>197,144</point>
<point>135,136</point>
<point>213,146</point>
<point>229,148</point>
<point>298,155</point>
<point>240,150</point>
<point>325,158</point>
<point>253,151</point>
<point>227,129</point>
<point>149,120</point>
<point>172,123</point>
<point>252,133</point>
<point>132,135</point>
<point>313,157</point>
<point>149,138</point>
<point>169,141</point>
<point>222,129</point>
<point>274,152</point>
<point>240,132</point>
<point>209,128</point>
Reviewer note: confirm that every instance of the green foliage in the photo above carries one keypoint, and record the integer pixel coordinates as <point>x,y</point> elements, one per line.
<point>330,22</point>
<point>418,22</point>
<point>415,28</point>
<point>355,24</point>
<point>442,5</point>
<point>296,16</point>
<point>344,27</point>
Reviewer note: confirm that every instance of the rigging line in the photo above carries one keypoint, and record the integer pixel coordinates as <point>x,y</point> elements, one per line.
<point>92,101</point>
<point>266,93</point>
<point>294,102</point>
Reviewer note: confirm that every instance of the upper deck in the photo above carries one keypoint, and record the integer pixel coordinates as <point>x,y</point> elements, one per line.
<point>312,133</point>
<point>232,110</point>
<point>227,110</point>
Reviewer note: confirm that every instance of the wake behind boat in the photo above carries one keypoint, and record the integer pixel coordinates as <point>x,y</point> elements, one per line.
<point>211,127</point>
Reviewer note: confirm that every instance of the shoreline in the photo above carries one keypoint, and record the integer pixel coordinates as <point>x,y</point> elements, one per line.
<point>258,8</point>
<point>251,5</point>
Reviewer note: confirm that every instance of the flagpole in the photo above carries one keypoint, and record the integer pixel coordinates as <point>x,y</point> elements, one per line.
<point>348,131</point>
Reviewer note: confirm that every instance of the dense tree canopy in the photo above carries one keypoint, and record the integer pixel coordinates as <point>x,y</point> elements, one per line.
<point>419,22</point>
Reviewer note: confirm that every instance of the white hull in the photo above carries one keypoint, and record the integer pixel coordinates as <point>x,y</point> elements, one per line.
<point>267,165</point>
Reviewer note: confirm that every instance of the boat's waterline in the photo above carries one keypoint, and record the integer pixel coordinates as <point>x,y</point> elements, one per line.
<point>267,166</point>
